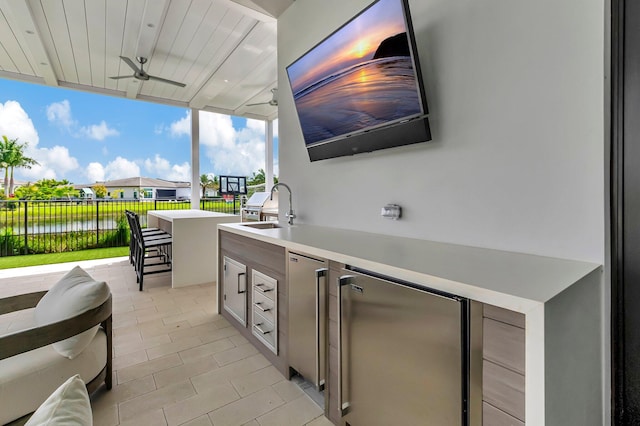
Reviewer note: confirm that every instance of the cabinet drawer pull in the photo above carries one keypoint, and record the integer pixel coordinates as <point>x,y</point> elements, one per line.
<point>257,327</point>
<point>259,306</point>
<point>262,288</point>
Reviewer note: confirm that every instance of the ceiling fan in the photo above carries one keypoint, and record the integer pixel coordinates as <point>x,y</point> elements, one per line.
<point>140,74</point>
<point>272,102</point>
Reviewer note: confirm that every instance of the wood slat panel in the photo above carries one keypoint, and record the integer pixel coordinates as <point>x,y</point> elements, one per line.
<point>249,250</point>
<point>504,315</point>
<point>114,25</point>
<point>491,416</point>
<point>133,20</point>
<point>332,411</point>
<point>6,64</point>
<point>504,389</point>
<point>193,31</point>
<point>241,62</point>
<point>219,44</point>
<point>197,53</point>
<point>206,81</point>
<point>46,37</point>
<point>504,344</point>
<point>333,308</point>
<point>78,36</point>
<point>96,37</point>
<point>56,21</point>
<point>12,56</point>
<point>176,14</point>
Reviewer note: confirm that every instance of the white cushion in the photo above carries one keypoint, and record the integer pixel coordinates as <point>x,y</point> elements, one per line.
<point>68,405</point>
<point>74,294</point>
<point>29,378</point>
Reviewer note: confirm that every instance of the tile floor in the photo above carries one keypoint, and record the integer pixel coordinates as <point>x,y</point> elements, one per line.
<point>176,362</point>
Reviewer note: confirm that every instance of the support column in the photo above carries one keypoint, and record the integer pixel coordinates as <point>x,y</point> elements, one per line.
<point>268,161</point>
<point>195,159</point>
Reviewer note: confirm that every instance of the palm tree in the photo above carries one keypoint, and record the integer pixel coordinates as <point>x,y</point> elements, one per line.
<point>12,156</point>
<point>206,182</point>
<point>7,147</point>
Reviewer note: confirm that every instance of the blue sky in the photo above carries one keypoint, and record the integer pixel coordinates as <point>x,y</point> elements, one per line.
<point>85,138</point>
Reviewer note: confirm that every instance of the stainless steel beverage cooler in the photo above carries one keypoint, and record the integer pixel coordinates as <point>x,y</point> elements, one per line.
<point>307,313</point>
<point>405,354</point>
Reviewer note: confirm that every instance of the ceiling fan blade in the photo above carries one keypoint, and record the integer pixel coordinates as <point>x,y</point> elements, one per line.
<point>259,103</point>
<point>119,77</point>
<point>131,64</point>
<point>164,80</point>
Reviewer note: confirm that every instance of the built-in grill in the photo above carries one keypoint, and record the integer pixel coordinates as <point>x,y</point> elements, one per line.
<point>257,204</point>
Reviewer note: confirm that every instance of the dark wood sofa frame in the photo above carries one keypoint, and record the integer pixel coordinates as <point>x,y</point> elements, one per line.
<point>36,337</point>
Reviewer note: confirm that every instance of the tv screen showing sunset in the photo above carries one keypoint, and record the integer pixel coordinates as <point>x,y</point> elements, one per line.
<point>361,76</point>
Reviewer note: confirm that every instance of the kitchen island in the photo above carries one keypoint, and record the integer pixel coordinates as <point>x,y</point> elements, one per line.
<point>194,243</point>
<point>559,301</point>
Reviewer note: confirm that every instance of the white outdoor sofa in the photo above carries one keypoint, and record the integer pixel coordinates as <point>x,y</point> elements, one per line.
<point>31,363</point>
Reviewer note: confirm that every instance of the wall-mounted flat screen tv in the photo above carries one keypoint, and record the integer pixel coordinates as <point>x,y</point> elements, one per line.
<point>360,89</point>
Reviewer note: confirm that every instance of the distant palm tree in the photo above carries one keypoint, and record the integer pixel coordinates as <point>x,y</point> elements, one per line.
<point>7,147</point>
<point>12,156</point>
<point>206,182</point>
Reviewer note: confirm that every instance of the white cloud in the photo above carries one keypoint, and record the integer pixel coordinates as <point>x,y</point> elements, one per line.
<point>99,131</point>
<point>95,172</point>
<point>54,163</point>
<point>180,172</point>
<point>15,123</point>
<point>181,127</point>
<point>121,168</point>
<point>162,168</point>
<point>230,151</point>
<point>60,113</point>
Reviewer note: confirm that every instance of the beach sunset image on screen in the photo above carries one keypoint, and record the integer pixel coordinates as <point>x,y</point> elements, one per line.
<point>360,77</point>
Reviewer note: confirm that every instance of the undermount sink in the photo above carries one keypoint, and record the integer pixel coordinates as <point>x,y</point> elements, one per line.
<point>261,225</point>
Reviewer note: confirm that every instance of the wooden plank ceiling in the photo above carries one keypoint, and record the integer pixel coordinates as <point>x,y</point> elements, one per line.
<point>224,51</point>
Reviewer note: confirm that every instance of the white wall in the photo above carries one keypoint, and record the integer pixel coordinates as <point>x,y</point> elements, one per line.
<point>516,99</point>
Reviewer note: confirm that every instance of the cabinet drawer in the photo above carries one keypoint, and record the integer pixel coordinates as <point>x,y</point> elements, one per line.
<point>264,330</point>
<point>264,285</point>
<point>264,305</point>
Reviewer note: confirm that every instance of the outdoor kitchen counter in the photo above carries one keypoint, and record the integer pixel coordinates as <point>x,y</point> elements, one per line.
<point>561,299</point>
<point>515,281</point>
<point>194,243</point>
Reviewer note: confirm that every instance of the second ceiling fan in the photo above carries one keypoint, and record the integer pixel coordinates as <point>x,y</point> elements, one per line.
<point>141,74</point>
<point>273,101</point>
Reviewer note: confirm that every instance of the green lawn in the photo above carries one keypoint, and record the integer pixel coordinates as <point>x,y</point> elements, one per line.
<point>47,259</point>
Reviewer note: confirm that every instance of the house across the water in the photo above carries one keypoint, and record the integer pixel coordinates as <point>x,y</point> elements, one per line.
<point>142,188</point>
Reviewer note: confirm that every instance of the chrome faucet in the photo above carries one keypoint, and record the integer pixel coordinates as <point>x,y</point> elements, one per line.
<point>290,214</point>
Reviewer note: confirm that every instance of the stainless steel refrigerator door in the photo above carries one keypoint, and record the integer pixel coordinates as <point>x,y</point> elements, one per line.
<point>235,289</point>
<point>401,354</point>
<point>307,317</point>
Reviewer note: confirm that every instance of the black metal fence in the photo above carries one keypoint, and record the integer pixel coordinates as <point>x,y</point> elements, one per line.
<point>29,227</point>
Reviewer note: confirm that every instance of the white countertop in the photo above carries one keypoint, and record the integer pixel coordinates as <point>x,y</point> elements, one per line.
<point>185,214</point>
<point>515,281</point>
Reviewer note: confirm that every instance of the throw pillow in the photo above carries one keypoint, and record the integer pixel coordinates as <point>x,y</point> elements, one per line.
<point>68,405</point>
<point>75,293</point>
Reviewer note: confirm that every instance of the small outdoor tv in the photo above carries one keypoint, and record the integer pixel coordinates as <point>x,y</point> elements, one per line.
<point>361,89</point>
